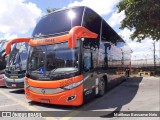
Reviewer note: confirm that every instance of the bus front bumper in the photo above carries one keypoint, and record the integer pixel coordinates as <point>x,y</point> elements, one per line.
<point>73,97</point>
<point>14,83</point>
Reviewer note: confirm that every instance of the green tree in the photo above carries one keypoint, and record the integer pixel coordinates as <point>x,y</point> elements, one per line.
<point>142,16</point>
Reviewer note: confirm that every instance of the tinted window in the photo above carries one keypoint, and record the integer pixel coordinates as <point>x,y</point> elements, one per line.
<point>92,21</point>
<point>109,35</point>
<point>104,53</point>
<point>87,61</point>
<point>57,22</point>
<point>91,44</point>
<point>37,58</point>
<point>90,54</point>
<point>60,56</point>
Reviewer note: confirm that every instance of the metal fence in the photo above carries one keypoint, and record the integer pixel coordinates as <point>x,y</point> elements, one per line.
<point>145,62</point>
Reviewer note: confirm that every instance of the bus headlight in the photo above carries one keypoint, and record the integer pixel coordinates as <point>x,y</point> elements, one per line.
<point>71,86</point>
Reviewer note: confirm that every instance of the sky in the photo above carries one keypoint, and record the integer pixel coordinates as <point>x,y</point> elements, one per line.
<point>19,17</point>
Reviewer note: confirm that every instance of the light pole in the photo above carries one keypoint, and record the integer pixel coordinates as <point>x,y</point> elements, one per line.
<point>154,55</point>
<point>146,58</point>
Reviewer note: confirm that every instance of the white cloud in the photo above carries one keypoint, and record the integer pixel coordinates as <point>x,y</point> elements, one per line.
<point>116,18</point>
<point>17,16</point>
<point>140,50</point>
<point>125,34</point>
<point>102,7</point>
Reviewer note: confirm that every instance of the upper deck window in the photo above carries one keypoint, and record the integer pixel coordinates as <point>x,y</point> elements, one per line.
<point>92,21</point>
<point>109,35</point>
<point>58,22</point>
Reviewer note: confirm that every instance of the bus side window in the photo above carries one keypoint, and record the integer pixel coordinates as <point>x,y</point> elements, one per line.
<point>94,59</point>
<point>87,62</point>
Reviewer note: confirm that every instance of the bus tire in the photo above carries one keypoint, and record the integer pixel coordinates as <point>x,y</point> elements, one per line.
<point>102,87</point>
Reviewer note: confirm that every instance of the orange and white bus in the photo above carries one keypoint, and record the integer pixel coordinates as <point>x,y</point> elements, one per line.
<point>74,56</point>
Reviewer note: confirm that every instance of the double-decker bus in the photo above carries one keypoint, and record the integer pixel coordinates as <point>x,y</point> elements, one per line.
<point>74,56</point>
<point>16,66</point>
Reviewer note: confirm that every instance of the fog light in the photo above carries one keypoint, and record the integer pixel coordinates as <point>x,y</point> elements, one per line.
<point>71,98</point>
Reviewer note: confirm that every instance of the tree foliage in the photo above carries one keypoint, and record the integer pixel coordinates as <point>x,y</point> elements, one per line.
<point>142,16</point>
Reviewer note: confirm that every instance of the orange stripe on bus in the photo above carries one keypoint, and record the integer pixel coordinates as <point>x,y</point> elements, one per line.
<point>17,40</point>
<point>50,40</point>
<point>75,33</point>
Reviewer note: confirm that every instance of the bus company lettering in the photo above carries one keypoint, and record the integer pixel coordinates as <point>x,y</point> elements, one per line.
<point>49,40</point>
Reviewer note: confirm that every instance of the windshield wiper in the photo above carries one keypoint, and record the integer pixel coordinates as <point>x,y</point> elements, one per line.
<point>52,71</point>
<point>61,71</point>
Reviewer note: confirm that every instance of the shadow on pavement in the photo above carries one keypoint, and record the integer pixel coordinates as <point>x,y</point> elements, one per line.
<point>18,91</point>
<point>3,87</point>
<point>116,99</point>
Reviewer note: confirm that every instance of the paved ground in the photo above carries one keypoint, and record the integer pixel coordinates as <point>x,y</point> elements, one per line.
<point>135,94</point>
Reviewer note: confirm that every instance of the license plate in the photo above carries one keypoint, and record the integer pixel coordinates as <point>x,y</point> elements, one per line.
<point>13,76</point>
<point>14,85</point>
<point>45,101</point>
<point>2,82</point>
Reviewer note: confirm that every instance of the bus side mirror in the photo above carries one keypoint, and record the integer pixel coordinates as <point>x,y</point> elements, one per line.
<point>17,40</point>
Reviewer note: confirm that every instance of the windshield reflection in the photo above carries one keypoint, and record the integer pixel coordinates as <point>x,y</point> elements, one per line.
<point>51,60</point>
<point>2,46</point>
<point>18,56</point>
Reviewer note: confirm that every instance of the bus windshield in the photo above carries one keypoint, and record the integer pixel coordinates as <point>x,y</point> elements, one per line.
<point>48,61</point>
<point>2,46</point>
<point>18,57</point>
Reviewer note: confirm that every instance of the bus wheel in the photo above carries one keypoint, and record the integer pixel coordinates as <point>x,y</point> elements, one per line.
<point>102,87</point>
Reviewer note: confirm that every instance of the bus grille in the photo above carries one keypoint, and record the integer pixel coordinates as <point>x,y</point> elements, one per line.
<point>45,90</point>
